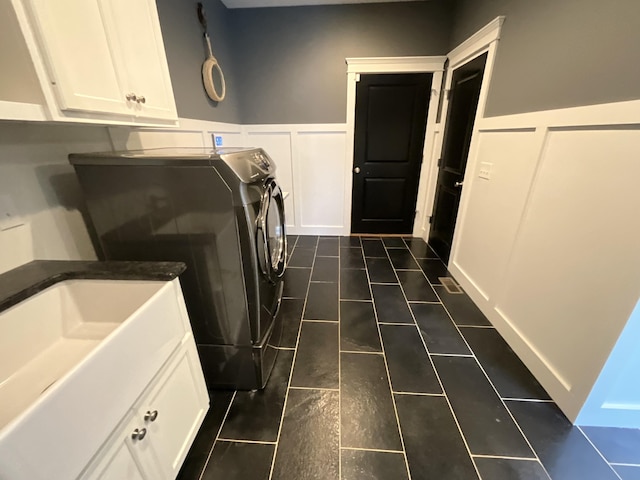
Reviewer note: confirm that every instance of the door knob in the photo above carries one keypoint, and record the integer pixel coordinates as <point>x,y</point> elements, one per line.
<point>131,97</point>
<point>141,99</point>
<point>139,434</point>
<point>458,184</point>
<point>151,416</point>
<point>356,170</point>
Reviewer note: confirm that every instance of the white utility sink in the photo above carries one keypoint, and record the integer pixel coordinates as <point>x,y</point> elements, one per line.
<point>44,337</point>
<point>73,358</point>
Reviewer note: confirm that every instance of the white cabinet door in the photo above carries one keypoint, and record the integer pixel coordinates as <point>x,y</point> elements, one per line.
<point>78,55</point>
<point>120,459</point>
<point>134,28</point>
<point>181,401</point>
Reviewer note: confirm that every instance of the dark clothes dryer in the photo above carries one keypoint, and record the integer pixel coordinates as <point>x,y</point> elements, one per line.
<point>220,212</point>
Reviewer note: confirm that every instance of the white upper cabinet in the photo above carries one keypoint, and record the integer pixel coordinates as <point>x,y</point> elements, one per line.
<point>135,33</point>
<point>98,61</point>
<point>78,55</point>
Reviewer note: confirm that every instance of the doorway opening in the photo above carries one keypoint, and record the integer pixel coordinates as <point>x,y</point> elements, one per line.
<point>464,95</point>
<point>390,122</point>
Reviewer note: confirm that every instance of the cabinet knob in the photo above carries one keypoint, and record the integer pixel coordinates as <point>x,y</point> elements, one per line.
<point>150,416</point>
<point>139,433</point>
<point>131,97</point>
<point>141,99</point>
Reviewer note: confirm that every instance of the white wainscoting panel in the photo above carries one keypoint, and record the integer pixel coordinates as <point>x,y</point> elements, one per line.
<point>319,173</point>
<point>548,247</point>
<point>278,146</point>
<point>191,133</point>
<point>574,276</point>
<point>310,160</point>
<point>489,225</point>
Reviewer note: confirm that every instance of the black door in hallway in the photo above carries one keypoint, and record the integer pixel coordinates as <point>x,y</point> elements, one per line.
<point>391,117</point>
<point>463,103</point>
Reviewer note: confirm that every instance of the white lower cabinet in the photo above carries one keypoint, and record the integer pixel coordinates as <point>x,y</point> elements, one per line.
<point>153,439</point>
<point>119,459</point>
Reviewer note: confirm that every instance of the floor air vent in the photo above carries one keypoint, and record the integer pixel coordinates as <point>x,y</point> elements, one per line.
<point>450,285</point>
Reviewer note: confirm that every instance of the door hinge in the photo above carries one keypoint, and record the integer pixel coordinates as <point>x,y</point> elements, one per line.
<point>357,77</point>
<point>440,162</point>
<point>430,219</point>
<point>448,93</point>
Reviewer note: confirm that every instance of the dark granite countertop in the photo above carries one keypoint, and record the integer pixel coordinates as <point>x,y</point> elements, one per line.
<point>21,283</point>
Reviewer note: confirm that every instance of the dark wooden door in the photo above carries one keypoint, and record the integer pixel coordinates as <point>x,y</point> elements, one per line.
<point>463,103</point>
<point>391,117</point>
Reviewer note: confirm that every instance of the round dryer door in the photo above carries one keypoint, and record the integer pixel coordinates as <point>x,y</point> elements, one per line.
<point>272,236</point>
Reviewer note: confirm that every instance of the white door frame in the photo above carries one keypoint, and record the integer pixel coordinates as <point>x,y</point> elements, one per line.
<point>483,41</point>
<point>357,66</point>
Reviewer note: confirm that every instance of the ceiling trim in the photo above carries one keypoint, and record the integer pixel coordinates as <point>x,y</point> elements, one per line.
<point>395,64</point>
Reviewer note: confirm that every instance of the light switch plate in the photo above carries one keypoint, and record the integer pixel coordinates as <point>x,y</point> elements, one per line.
<point>485,170</point>
<point>9,217</point>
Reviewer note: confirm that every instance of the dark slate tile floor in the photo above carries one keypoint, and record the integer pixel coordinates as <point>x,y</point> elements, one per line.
<point>383,374</point>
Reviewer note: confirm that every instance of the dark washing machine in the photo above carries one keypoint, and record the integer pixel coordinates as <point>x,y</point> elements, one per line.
<point>222,213</point>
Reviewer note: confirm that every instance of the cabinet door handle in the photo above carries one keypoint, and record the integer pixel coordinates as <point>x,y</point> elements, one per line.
<point>141,99</point>
<point>150,416</point>
<point>139,433</point>
<point>131,97</point>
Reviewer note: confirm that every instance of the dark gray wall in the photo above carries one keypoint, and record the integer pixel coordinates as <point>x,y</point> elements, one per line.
<point>186,52</point>
<point>557,53</point>
<point>290,61</point>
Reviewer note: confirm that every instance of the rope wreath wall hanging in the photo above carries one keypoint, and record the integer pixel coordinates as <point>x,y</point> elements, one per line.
<point>210,64</point>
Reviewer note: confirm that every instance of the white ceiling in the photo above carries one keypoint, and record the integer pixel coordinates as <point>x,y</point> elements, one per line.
<point>294,3</point>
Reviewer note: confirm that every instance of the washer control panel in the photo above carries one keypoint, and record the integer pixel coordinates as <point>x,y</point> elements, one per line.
<point>262,160</point>
<point>249,165</point>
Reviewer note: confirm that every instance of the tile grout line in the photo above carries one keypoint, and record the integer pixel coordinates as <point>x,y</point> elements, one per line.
<point>356,352</point>
<point>293,364</point>
<point>480,455</point>
<point>532,400</point>
<point>451,355</point>
<point>386,366</point>
<point>490,383</point>
<point>599,452</point>
<point>371,450</point>
<point>393,323</point>
<point>218,434</point>
<point>237,440</point>
<point>322,389</point>
<point>455,419</point>
<point>420,394</point>
<point>421,270</point>
<point>475,326</point>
